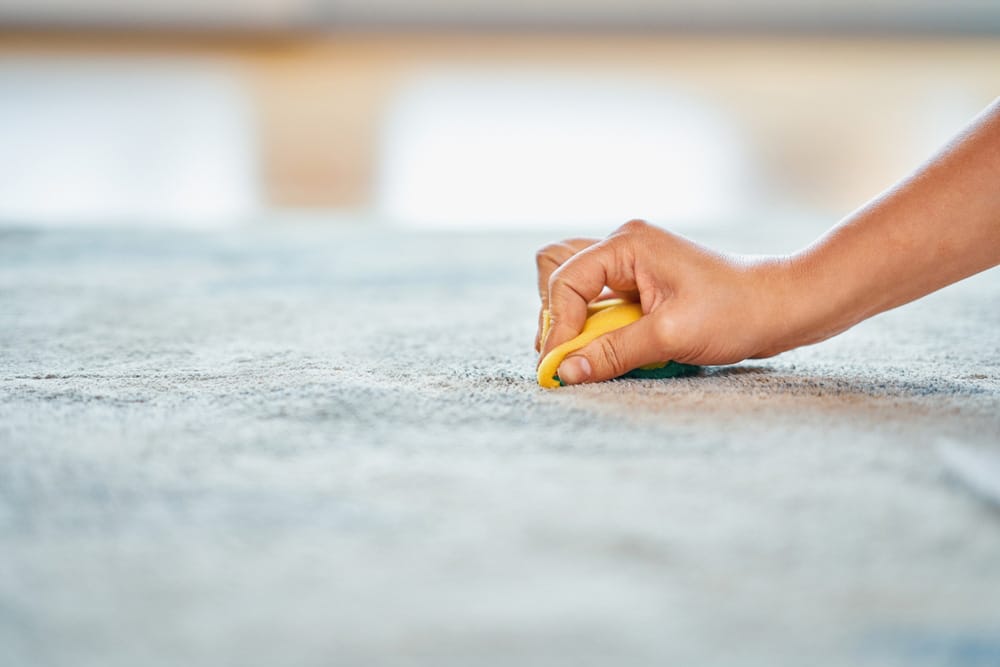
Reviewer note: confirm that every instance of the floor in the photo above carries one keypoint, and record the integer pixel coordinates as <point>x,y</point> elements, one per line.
<point>316,445</point>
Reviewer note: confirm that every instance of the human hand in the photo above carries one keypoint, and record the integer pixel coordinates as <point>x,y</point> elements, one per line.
<point>937,226</point>
<point>700,306</point>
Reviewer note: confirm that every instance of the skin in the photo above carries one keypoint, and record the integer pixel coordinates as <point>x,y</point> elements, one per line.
<point>935,227</point>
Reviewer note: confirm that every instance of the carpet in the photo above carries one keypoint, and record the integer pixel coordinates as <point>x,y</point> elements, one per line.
<point>324,445</point>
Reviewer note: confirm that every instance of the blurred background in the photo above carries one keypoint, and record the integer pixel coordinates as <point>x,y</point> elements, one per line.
<point>476,114</point>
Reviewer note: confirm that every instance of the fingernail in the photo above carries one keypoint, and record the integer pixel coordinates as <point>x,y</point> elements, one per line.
<point>574,370</point>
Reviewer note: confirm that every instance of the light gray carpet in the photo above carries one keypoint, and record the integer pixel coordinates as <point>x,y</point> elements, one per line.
<point>321,446</point>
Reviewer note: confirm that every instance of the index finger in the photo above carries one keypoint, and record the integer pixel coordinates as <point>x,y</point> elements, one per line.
<point>554,255</point>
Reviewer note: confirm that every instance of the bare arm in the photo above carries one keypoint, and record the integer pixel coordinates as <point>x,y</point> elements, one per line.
<point>937,226</point>
<point>933,228</point>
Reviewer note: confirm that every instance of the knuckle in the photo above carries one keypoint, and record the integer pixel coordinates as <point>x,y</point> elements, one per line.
<point>554,254</point>
<point>634,226</point>
<point>562,288</point>
<point>558,281</point>
<point>610,358</point>
<point>544,255</point>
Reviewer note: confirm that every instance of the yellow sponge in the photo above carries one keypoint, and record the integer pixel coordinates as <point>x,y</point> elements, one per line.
<point>602,317</point>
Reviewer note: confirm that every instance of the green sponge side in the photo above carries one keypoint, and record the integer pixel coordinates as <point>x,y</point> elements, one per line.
<point>672,369</point>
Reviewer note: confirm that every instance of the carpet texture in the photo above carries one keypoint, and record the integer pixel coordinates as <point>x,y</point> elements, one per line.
<point>311,445</point>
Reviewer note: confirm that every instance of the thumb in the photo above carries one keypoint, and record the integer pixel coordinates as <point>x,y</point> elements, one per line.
<point>614,354</point>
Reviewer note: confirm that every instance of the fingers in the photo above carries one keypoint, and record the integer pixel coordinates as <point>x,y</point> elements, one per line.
<point>548,260</point>
<point>554,255</point>
<point>575,284</point>
<point>616,353</point>
<point>583,277</point>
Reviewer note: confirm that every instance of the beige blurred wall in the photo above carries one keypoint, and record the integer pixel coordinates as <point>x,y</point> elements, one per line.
<point>830,118</point>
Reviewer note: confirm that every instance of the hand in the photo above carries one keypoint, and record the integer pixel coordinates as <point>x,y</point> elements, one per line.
<point>939,225</point>
<point>701,307</point>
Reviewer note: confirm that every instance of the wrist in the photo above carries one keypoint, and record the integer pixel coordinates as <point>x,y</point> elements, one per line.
<point>806,302</point>
<point>820,293</point>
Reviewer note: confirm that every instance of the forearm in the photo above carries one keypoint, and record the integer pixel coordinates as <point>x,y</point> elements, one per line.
<point>934,228</point>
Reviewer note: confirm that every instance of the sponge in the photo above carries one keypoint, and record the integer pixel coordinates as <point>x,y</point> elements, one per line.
<point>602,317</point>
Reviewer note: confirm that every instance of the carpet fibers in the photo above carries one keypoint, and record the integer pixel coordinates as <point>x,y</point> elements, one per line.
<point>325,446</point>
